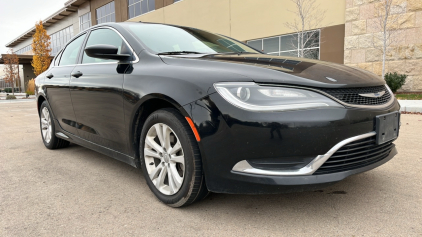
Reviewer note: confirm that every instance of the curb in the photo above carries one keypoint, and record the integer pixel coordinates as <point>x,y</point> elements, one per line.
<point>411,106</point>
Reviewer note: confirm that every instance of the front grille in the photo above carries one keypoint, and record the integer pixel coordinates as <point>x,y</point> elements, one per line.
<point>355,155</point>
<point>351,95</point>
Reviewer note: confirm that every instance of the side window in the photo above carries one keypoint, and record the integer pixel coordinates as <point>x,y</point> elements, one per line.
<point>104,36</point>
<point>70,54</point>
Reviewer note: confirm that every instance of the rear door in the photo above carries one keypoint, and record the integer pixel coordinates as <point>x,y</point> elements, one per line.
<point>97,94</point>
<point>57,85</point>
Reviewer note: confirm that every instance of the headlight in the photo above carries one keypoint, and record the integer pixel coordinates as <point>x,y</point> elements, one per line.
<point>253,97</point>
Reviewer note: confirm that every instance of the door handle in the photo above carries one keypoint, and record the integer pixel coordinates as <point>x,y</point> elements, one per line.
<point>49,76</point>
<point>77,74</point>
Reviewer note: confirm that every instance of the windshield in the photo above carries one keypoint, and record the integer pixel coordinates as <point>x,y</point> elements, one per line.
<point>165,38</point>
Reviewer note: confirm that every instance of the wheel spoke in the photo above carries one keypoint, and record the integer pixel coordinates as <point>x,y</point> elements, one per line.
<point>44,123</point>
<point>155,172</point>
<point>150,141</point>
<point>175,149</point>
<point>159,131</point>
<point>175,176</point>
<point>172,185</point>
<point>151,153</point>
<point>159,183</point>
<point>48,135</point>
<point>166,137</point>
<point>45,112</point>
<point>178,159</point>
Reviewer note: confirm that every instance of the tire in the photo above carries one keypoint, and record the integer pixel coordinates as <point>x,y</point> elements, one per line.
<point>175,181</point>
<point>48,130</point>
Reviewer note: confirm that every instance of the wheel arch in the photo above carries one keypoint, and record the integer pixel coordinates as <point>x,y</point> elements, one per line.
<point>40,100</point>
<point>146,106</point>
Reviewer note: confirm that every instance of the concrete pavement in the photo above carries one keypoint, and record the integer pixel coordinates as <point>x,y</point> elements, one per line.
<point>78,192</point>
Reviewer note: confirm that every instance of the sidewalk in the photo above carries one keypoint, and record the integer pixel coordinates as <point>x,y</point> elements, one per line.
<point>18,100</point>
<point>411,106</point>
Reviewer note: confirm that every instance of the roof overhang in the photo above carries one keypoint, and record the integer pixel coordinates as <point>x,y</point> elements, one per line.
<point>70,7</point>
<point>23,58</point>
<point>75,3</point>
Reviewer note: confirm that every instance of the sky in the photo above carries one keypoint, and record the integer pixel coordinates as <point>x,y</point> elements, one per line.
<point>18,16</point>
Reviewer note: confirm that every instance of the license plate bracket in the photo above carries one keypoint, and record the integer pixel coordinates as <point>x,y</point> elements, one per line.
<point>387,127</point>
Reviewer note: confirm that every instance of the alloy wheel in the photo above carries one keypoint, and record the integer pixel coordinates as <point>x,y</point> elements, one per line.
<point>46,127</point>
<point>164,159</point>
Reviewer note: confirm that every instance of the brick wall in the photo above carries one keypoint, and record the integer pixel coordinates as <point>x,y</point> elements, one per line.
<point>404,54</point>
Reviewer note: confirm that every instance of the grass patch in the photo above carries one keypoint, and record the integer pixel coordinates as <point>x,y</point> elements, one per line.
<point>409,96</point>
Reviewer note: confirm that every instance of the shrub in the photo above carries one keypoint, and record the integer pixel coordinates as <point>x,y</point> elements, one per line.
<point>10,97</point>
<point>31,87</point>
<point>395,81</point>
<point>9,89</point>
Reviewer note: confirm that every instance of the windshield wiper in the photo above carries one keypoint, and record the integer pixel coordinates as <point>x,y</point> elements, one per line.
<point>179,52</point>
<point>241,52</point>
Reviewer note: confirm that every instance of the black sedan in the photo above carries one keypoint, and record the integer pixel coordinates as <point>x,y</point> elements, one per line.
<point>201,112</point>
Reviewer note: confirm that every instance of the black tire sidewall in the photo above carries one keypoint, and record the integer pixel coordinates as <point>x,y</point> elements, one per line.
<point>168,118</point>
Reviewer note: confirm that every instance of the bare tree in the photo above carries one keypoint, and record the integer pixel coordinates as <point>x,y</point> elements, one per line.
<point>309,17</point>
<point>386,23</point>
<point>11,69</point>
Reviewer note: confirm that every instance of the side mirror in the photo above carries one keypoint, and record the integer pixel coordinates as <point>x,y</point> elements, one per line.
<point>104,51</point>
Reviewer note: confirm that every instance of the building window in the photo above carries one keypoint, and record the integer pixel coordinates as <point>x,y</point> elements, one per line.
<point>60,38</point>
<point>139,7</point>
<point>85,21</point>
<point>24,49</point>
<point>106,13</point>
<point>289,45</point>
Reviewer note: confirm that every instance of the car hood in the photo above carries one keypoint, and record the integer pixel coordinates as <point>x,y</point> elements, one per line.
<point>269,69</point>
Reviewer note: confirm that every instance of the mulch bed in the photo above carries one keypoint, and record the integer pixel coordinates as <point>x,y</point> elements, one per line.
<point>418,113</point>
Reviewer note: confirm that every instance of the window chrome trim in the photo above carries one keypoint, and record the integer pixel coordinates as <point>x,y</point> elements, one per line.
<point>96,28</point>
<point>244,167</point>
<point>388,104</point>
<point>87,64</point>
<point>121,36</point>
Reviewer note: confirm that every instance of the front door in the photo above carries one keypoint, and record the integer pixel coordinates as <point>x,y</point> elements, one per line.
<point>97,95</point>
<point>57,86</point>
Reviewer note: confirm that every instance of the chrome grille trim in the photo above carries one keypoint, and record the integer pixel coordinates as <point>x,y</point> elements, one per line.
<point>360,95</point>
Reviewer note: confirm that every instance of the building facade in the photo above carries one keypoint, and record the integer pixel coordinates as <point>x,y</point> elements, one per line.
<point>261,24</point>
<point>404,53</point>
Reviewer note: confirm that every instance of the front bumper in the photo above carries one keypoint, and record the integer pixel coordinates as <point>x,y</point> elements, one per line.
<point>291,139</point>
<point>266,184</point>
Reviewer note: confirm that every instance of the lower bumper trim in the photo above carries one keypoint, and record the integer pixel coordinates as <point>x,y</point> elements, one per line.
<point>244,183</point>
<point>244,167</point>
